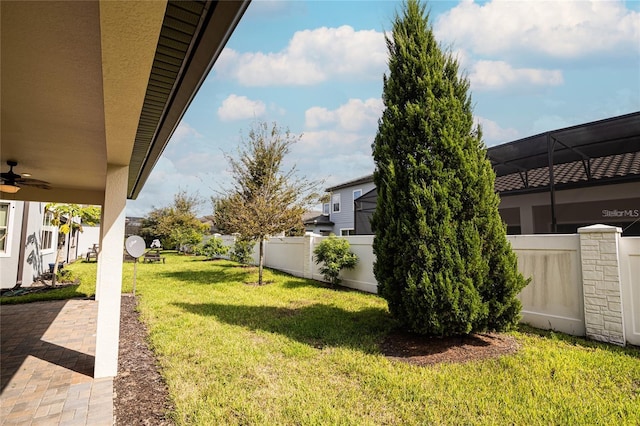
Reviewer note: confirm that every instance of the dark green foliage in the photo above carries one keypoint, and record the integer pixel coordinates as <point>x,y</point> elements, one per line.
<point>212,248</point>
<point>334,254</point>
<point>443,261</point>
<point>241,252</point>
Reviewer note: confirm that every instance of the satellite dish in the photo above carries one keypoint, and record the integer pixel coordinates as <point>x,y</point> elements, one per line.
<point>135,246</point>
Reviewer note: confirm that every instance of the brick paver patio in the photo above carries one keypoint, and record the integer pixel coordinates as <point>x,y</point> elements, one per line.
<point>46,365</point>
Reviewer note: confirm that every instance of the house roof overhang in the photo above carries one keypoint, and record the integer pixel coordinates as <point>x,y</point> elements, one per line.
<point>358,181</point>
<point>86,84</point>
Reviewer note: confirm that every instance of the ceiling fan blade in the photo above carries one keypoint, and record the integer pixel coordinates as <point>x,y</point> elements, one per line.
<point>33,183</point>
<point>14,179</point>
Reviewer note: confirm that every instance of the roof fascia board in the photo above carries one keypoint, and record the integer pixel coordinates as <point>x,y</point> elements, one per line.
<point>222,15</point>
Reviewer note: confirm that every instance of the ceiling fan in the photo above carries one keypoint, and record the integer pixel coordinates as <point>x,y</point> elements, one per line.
<point>11,182</point>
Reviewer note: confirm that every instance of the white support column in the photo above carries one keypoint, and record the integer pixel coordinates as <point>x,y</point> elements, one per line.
<point>601,285</point>
<point>98,263</point>
<point>307,266</point>
<point>110,272</point>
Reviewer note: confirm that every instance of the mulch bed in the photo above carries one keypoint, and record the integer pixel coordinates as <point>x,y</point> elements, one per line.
<point>420,350</point>
<point>140,393</point>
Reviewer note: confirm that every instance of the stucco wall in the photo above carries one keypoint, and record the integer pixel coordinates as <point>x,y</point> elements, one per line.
<point>36,260</point>
<point>8,262</point>
<point>573,206</point>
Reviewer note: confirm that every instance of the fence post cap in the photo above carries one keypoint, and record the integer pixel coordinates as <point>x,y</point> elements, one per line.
<point>599,228</point>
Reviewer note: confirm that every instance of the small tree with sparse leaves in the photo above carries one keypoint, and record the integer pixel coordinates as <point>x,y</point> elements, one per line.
<point>264,199</point>
<point>70,218</point>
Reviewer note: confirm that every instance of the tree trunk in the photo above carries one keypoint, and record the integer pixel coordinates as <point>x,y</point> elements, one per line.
<point>261,261</point>
<point>55,267</point>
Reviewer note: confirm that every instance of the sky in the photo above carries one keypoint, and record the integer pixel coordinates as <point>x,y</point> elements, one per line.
<point>316,68</point>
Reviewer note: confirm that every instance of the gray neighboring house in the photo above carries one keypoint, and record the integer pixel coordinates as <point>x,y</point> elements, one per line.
<point>28,242</point>
<point>342,207</point>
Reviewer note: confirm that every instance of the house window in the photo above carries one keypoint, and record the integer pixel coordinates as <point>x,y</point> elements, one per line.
<point>356,194</point>
<point>46,235</point>
<point>4,227</point>
<point>325,209</point>
<point>335,203</point>
<point>345,232</point>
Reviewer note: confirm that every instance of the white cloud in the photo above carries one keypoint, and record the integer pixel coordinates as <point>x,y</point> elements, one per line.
<point>327,141</point>
<point>493,134</point>
<point>184,132</point>
<point>559,29</point>
<point>194,163</point>
<point>311,57</point>
<point>355,115</point>
<point>240,107</point>
<point>487,75</point>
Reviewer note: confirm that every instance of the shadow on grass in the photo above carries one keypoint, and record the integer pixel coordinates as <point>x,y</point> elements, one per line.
<point>294,282</point>
<point>209,277</point>
<point>316,324</point>
<point>631,350</point>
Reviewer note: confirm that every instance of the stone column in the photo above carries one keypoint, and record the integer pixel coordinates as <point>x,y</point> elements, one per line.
<point>601,286</point>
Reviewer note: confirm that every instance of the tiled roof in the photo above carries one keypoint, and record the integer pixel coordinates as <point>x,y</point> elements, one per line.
<point>318,220</point>
<point>602,168</point>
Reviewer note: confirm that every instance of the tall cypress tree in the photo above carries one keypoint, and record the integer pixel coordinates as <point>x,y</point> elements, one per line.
<point>443,261</point>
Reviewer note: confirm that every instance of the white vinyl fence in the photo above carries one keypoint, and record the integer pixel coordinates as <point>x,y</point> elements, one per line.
<point>581,284</point>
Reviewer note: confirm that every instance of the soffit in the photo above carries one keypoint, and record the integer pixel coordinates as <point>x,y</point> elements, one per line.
<point>192,37</point>
<point>75,77</point>
<point>52,111</point>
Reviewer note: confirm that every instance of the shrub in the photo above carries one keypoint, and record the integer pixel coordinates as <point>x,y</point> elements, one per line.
<point>212,248</point>
<point>241,252</point>
<point>335,255</point>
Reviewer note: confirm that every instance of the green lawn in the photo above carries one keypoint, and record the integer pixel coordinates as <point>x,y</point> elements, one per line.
<point>297,352</point>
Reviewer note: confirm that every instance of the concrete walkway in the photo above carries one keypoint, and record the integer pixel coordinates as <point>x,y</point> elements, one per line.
<point>46,365</point>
